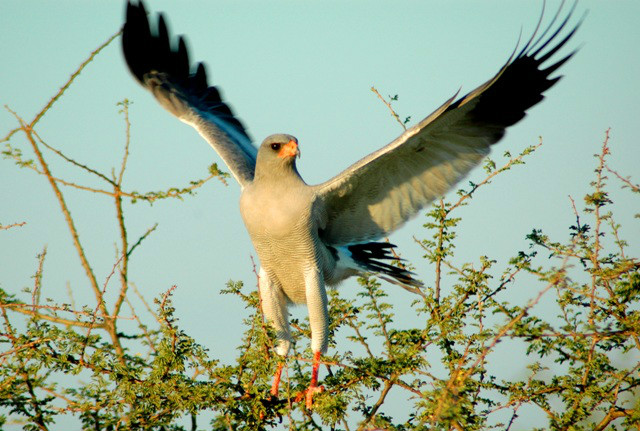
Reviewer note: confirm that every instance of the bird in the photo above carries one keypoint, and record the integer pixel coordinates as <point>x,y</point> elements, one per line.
<point>311,237</point>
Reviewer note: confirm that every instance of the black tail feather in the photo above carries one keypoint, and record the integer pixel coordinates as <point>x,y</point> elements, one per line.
<point>368,256</point>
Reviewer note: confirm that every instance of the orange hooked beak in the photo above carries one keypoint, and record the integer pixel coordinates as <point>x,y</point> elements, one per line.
<point>289,149</point>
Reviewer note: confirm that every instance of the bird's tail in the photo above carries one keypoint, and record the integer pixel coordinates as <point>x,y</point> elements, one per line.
<point>374,257</point>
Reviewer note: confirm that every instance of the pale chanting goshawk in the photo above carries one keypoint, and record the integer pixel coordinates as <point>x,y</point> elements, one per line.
<point>309,237</point>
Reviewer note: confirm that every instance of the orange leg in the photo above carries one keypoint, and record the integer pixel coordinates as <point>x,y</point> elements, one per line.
<point>276,380</point>
<point>314,372</point>
<point>313,386</point>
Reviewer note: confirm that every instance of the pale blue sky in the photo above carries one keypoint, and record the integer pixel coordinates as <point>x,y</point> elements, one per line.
<point>303,68</point>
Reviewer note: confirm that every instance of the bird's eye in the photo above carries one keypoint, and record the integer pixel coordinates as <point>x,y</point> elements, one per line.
<point>275,147</point>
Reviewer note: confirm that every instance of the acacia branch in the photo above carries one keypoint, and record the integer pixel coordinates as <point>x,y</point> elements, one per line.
<point>110,324</point>
<point>383,395</point>
<point>388,104</point>
<point>72,161</point>
<point>10,226</point>
<point>72,78</point>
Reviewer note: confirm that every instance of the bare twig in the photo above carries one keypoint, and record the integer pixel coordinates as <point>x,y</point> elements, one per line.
<point>383,395</point>
<point>142,327</point>
<point>393,112</point>
<point>10,226</point>
<point>625,180</point>
<point>72,78</point>
<point>142,238</point>
<point>30,309</point>
<point>146,304</point>
<point>72,161</point>
<point>110,324</point>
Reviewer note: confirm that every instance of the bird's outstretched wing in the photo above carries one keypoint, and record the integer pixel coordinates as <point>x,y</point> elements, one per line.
<point>385,189</point>
<point>165,71</point>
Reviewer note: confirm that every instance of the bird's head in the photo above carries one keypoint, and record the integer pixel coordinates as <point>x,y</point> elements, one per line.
<point>278,152</point>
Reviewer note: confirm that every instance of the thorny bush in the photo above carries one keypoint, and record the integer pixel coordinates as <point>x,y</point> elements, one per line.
<point>580,368</point>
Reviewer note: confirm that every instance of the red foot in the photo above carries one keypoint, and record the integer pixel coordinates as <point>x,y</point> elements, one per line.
<point>308,395</point>
<point>313,386</point>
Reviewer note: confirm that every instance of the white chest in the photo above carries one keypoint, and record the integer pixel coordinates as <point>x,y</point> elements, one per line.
<point>276,213</point>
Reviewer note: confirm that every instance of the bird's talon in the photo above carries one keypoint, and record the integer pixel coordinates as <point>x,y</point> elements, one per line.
<point>309,395</point>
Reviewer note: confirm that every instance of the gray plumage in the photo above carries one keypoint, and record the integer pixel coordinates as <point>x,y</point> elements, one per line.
<point>309,237</point>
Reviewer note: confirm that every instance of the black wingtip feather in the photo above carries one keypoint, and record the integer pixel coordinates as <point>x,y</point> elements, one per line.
<point>147,51</point>
<point>520,85</point>
<point>136,35</point>
<point>531,46</point>
<point>199,81</point>
<point>182,58</point>
<point>555,66</point>
<point>555,49</point>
